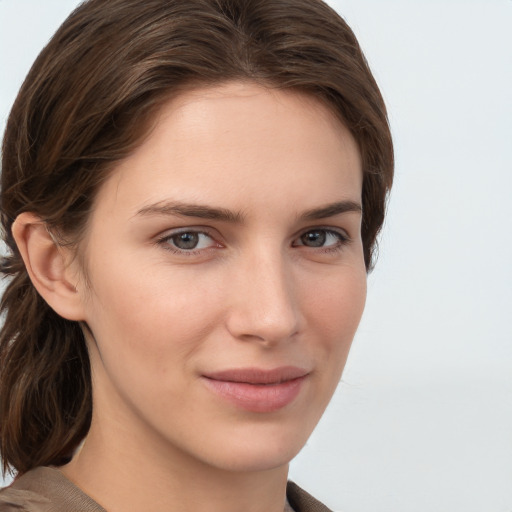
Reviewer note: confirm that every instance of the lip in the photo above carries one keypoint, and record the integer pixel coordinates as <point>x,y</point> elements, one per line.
<point>255,389</point>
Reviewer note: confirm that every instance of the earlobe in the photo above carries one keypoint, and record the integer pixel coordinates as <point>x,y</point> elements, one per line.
<point>48,265</point>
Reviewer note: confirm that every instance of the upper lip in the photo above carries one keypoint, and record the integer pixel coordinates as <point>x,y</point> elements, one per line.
<point>258,375</point>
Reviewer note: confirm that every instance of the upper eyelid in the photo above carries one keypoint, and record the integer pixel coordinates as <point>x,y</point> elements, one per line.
<point>217,237</point>
<point>165,237</point>
<point>343,237</point>
<point>330,229</point>
<point>165,241</point>
<point>169,233</point>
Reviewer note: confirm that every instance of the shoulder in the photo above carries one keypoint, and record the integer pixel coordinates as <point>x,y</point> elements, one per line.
<point>16,500</point>
<point>48,490</point>
<point>22,495</point>
<point>301,501</point>
<point>45,489</point>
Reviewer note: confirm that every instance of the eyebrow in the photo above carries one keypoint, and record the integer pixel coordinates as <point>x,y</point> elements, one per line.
<point>332,209</point>
<point>223,214</point>
<point>192,210</point>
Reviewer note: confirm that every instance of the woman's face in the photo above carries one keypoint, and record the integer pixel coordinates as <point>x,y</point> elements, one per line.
<point>225,278</point>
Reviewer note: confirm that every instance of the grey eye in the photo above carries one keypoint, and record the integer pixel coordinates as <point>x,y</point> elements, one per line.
<point>321,238</point>
<point>315,238</point>
<point>187,240</point>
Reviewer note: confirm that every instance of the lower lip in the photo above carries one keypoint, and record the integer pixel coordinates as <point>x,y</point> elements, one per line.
<point>257,397</point>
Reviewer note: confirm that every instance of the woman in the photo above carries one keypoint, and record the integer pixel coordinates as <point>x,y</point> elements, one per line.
<point>191,193</point>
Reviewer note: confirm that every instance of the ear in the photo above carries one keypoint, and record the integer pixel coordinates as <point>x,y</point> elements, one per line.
<point>49,266</point>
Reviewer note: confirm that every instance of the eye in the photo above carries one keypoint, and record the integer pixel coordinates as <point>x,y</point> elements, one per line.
<point>325,238</point>
<point>187,241</point>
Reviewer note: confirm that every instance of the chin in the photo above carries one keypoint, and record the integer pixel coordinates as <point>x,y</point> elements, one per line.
<point>256,459</point>
<point>260,448</point>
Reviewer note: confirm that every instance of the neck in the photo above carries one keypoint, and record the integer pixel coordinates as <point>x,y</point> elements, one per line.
<point>123,475</point>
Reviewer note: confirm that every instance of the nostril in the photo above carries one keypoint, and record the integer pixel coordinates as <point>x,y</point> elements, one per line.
<point>263,306</point>
<point>269,329</point>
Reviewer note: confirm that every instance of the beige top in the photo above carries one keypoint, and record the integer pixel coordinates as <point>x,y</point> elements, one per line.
<point>46,489</point>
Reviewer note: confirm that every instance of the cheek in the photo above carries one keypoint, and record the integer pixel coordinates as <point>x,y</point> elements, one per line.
<point>333,314</point>
<point>148,329</point>
<point>336,305</point>
<point>150,315</point>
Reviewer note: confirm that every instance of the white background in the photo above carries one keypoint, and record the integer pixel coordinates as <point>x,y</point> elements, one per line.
<point>422,421</point>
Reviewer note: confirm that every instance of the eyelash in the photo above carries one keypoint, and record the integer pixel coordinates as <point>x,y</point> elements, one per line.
<point>343,240</point>
<point>165,241</point>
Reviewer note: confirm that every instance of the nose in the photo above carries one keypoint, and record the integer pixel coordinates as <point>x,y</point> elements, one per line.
<point>264,305</point>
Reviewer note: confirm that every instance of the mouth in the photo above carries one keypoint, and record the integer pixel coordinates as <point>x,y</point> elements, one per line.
<point>257,390</point>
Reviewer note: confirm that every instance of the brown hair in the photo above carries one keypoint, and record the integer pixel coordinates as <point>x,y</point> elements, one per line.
<point>86,104</point>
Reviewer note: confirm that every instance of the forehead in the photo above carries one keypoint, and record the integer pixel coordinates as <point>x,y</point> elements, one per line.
<point>219,143</point>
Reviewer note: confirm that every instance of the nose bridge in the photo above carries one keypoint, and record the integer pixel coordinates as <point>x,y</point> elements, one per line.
<point>264,305</point>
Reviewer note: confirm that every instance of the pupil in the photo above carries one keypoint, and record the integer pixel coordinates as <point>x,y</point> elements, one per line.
<point>314,238</point>
<point>186,240</point>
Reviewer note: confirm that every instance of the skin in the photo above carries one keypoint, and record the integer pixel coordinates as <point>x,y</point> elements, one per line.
<point>255,292</point>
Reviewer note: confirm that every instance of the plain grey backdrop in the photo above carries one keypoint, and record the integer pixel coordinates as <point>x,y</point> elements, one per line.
<point>422,420</point>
